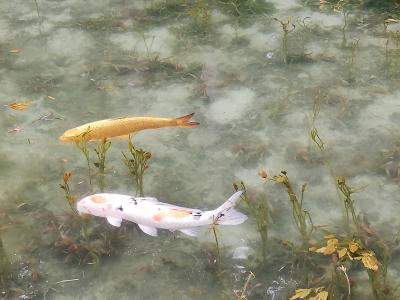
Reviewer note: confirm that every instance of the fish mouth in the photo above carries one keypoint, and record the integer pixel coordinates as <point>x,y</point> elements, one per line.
<point>63,138</point>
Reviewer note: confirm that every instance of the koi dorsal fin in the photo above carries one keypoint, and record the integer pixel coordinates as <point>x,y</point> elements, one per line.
<point>147,199</point>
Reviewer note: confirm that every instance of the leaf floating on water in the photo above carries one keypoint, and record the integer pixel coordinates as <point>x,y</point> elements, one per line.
<point>353,246</point>
<point>279,179</point>
<point>342,252</point>
<point>320,296</point>
<point>15,50</point>
<point>330,248</point>
<point>20,105</point>
<point>369,260</point>
<point>300,293</point>
<point>16,129</point>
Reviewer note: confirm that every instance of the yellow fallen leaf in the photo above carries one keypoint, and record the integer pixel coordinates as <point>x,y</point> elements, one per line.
<point>279,179</point>
<point>321,250</point>
<point>51,98</point>
<point>320,296</point>
<point>300,293</point>
<point>15,50</point>
<point>342,252</point>
<point>331,246</point>
<point>19,105</point>
<point>353,246</point>
<point>370,262</point>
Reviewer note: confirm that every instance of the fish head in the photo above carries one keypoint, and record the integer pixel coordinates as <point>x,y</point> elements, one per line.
<point>69,135</point>
<point>76,134</point>
<point>101,205</point>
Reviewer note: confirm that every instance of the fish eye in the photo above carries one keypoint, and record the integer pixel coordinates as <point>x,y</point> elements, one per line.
<point>133,201</point>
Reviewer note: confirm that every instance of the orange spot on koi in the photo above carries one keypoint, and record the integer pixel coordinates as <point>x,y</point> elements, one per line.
<point>98,199</point>
<point>171,213</point>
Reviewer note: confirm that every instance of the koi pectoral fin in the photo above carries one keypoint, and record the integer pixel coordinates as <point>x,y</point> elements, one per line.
<point>192,231</point>
<point>114,221</point>
<point>148,230</point>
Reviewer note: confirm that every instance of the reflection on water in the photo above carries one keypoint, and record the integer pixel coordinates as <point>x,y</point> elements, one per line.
<point>308,87</point>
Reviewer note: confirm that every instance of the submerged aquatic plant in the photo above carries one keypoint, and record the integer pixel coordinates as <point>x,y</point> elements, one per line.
<point>5,268</point>
<point>102,147</point>
<point>74,233</point>
<point>137,164</point>
<point>83,147</point>
<point>392,46</point>
<point>301,217</point>
<point>39,17</point>
<point>287,27</point>
<point>244,9</point>
<point>81,240</point>
<point>242,295</point>
<point>347,200</point>
<point>65,186</point>
<point>162,11</point>
<point>215,232</point>
<point>348,252</point>
<point>259,209</point>
<point>200,15</point>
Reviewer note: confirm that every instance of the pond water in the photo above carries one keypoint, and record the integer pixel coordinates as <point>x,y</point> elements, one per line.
<point>261,77</point>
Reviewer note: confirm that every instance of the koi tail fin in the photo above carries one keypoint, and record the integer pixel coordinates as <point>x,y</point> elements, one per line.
<point>183,122</point>
<point>226,214</point>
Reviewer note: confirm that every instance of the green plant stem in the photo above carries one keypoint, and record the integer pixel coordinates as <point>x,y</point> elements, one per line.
<point>83,147</point>
<point>137,164</point>
<point>102,147</point>
<point>214,229</point>
<point>258,208</point>
<point>39,17</point>
<point>300,215</point>
<point>5,268</point>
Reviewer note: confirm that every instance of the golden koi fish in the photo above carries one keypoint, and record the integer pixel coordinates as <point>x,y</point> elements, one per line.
<point>122,127</point>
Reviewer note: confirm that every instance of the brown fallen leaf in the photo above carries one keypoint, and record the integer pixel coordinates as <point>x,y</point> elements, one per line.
<point>15,129</point>
<point>15,50</point>
<point>19,105</point>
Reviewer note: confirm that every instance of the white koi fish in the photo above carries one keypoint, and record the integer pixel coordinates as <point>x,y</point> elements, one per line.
<point>151,214</point>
